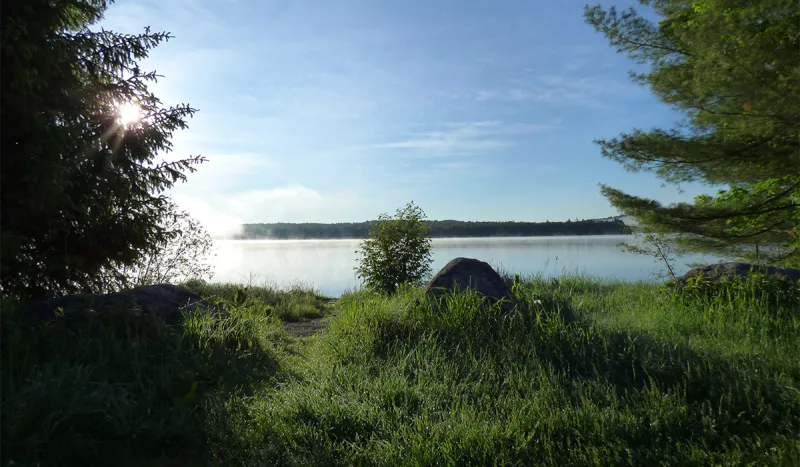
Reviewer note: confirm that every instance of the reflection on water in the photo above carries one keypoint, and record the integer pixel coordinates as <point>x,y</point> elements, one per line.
<point>328,264</point>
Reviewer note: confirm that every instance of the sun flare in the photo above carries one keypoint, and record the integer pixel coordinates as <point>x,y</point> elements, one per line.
<point>129,113</point>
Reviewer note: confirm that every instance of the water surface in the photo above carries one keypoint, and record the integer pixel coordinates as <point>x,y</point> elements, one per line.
<point>328,264</point>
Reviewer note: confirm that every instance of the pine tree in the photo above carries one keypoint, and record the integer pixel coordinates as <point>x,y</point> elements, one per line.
<point>81,189</point>
<point>733,69</point>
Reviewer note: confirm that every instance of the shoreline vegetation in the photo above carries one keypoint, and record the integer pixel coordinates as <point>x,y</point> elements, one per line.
<point>586,371</point>
<point>438,229</point>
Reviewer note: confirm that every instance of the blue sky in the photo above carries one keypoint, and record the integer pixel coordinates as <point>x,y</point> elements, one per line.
<point>337,111</point>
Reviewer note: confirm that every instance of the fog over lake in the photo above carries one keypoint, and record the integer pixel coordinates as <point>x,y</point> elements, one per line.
<point>328,264</point>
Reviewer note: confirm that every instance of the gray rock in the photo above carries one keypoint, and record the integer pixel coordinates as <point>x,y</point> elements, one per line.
<point>463,273</point>
<point>733,270</point>
<point>165,300</point>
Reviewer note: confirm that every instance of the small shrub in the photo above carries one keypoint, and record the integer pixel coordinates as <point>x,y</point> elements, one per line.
<point>652,244</point>
<point>772,292</point>
<point>184,254</point>
<point>398,251</point>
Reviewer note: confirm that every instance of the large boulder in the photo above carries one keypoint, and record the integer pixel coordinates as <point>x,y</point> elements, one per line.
<point>461,274</point>
<point>734,270</point>
<point>164,300</point>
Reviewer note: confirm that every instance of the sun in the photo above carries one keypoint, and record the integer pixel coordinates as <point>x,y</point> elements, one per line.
<point>129,113</point>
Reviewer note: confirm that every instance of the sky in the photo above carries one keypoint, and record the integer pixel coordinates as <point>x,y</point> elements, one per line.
<point>337,111</point>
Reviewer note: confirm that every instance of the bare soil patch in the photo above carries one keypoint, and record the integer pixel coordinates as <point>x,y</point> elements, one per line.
<point>309,326</point>
<point>305,328</point>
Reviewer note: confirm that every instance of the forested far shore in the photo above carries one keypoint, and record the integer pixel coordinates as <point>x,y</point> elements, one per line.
<point>439,229</point>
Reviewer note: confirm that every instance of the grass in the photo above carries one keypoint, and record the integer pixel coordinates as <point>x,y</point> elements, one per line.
<point>127,390</point>
<point>292,304</point>
<point>584,372</point>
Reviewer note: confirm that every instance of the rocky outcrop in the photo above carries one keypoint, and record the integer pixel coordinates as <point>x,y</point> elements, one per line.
<point>734,270</point>
<point>164,300</point>
<point>461,274</point>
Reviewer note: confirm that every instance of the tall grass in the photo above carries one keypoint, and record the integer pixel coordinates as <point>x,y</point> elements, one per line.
<point>114,389</point>
<point>586,372</point>
<point>289,304</point>
<point>581,372</point>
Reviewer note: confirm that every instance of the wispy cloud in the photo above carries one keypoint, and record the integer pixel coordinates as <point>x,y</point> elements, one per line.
<point>438,144</point>
<point>465,139</point>
<point>456,165</point>
<point>590,91</point>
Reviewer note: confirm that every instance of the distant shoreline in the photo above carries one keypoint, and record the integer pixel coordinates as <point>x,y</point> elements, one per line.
<point>439,229</point>
<point>488,237</point>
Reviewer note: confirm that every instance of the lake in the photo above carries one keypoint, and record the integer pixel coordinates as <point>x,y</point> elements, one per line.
<point>327,265</point>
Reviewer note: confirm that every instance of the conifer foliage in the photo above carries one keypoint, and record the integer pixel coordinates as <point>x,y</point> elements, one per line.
<point>733,69</point>
<point>82,189</point>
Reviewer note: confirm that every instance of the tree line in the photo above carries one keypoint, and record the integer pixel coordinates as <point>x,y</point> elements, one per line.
<point>438,229</point>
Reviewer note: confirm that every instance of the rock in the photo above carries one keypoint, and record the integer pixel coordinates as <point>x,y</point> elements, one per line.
<point>732,270</point>
<point>463,273</point>
<point>165,300</point>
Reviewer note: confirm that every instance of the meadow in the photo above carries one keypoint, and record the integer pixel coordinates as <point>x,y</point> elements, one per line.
<point>582,371</point>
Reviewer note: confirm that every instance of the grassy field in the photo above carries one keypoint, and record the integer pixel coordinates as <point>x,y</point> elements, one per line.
<point>583,372</point>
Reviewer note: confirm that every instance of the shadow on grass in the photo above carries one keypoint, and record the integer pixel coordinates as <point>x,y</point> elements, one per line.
<point>126,390</point>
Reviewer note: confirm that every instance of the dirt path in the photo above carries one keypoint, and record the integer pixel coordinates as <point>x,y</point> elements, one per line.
<point>309,326</point>
<point>305,328</point>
